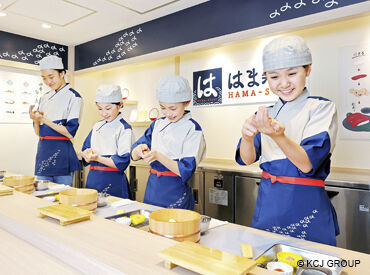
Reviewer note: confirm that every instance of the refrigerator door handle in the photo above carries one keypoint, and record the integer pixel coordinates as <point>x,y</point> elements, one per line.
<point>134,185</point>
<point>195,195</point>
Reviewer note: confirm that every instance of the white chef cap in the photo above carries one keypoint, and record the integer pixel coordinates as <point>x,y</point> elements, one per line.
<point>51,62</point>
<point>173,89</point>
<point>108,93</point>
<point>286,52</point>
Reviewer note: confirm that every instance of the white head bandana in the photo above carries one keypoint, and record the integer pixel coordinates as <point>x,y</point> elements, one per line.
<point>286,52</point>
<point>173,89</point>
<point>108,93</point>
<point>51,62</point>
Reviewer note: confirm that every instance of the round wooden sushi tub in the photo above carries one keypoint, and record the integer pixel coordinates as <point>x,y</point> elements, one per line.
<point>83,198</point>
<point>177,224</point>
<point>22,184</point>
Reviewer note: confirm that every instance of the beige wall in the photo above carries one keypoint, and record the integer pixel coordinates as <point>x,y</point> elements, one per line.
<point>141,80</point>
<point>18,145</point>
<point>18,142</point>
<point>222,124</point>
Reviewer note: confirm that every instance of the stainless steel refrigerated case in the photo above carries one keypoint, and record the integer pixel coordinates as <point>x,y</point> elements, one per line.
<point>351,202</point>
<point>219,195</point>
<point>246,190</point>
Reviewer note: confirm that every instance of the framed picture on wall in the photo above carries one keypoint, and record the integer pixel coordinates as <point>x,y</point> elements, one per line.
<point>18,90</point>
<point>354,109</point>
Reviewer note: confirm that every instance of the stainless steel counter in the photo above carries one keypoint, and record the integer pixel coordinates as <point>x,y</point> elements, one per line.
<point>228,191</point>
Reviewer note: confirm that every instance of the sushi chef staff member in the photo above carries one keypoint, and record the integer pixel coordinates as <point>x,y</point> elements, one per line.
<point>56,122</point>
<point>107,147</point>
<point>293,140</point>
<point>173,145</point>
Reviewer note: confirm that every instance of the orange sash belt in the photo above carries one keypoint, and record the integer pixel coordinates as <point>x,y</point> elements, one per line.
<point>293,180</point>
<point>51,137</point>
<point>164,173</point>
<point>103,168</point>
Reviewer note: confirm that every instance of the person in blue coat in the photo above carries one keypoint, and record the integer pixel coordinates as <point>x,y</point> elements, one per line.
<point>173,145</point>
<point>294,140</point>
<point>107,147</point>
<point>56,122</point>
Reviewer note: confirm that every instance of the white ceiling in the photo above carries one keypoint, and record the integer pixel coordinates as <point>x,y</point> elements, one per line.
<point>77,21</point>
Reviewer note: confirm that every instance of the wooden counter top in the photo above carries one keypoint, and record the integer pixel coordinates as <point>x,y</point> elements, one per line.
<point>18,256</point>
<point>105,242</point>
<point>98,244</point>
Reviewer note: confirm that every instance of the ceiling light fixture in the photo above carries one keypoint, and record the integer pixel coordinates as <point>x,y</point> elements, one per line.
<point>2,13</point>
<point>46,26</point>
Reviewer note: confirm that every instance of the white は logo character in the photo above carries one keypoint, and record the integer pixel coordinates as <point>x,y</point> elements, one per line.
<point>207,91</point>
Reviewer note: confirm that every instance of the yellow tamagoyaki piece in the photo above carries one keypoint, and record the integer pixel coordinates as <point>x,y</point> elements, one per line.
<point>247,250</point>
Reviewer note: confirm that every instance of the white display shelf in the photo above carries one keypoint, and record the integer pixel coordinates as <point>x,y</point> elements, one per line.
<point>140,123</point>
<point>130,102</point>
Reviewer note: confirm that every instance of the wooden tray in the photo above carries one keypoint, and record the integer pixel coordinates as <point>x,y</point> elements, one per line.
<point>66,214</point>
<point>5,190</point>
<point>205,260</point>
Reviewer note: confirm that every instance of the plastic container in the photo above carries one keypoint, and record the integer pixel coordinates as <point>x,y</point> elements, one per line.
<point>281,268</point>
<point>289,258</point>
<point>41,184</point>
<point>204,223</point>
<point>103,199</point>
<point>49,198</point>
<point>2,174</point>
<point>124,220</point>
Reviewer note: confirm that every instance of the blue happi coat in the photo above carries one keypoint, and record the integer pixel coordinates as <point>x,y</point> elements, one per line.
<point>57,157</point>
<point>113,140</point>
<point>183,142</point>
<point>296,210</point>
